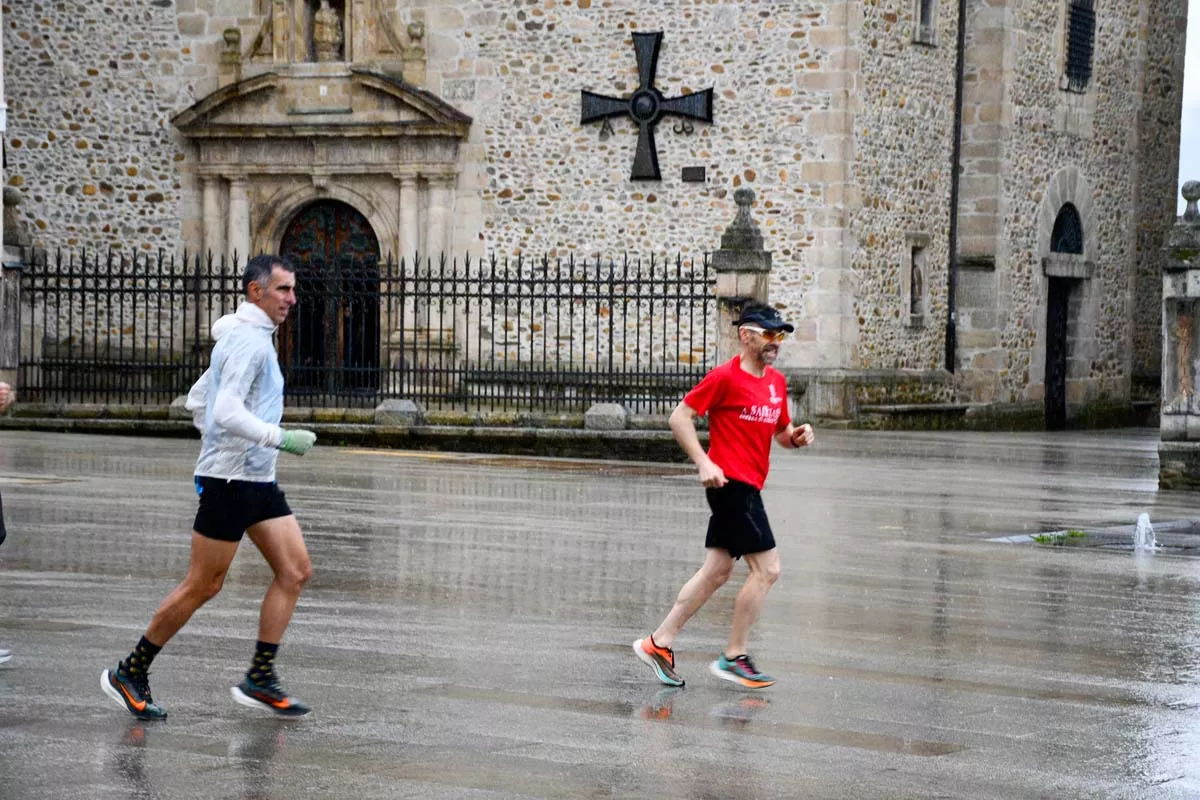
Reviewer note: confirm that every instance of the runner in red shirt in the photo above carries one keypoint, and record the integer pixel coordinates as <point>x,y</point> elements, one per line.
<point>745,400</point>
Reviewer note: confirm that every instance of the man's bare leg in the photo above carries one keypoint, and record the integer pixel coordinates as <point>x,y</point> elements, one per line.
<point>128,684</point>
<point>712,575</point>
<point>764,571</point>
<point>206,575</point>
<point>282,545</point>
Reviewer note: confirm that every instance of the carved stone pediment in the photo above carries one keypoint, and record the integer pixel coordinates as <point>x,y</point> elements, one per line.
<point>321,103</point>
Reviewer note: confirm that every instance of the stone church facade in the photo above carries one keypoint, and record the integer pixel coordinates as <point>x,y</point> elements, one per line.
<point>455,126</point>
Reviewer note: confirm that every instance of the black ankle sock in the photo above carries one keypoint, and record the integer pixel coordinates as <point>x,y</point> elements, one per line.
<point>263,665</point>
<point>138,662</point>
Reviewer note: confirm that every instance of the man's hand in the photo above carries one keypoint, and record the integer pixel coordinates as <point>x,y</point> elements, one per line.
<point>297,442</point>
<point>802,436</point>
<point>7,397</point>
<point>711,475</point>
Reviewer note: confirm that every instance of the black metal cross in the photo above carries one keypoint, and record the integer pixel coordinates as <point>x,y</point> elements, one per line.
<point>647,106</point>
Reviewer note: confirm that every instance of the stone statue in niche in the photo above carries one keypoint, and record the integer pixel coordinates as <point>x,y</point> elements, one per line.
<point>327,33</point>
<point>1183,358</point>
<point>917,300</point>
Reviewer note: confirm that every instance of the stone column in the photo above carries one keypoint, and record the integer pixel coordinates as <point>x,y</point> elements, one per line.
<point>441,215</point>
<point>400,321</point>
<point>214,229</point>
<point>410,230</point>
<point>743,273</point>
<point>434,337</point>
<point>238,238</point>
<point>214,257</point>
<point>1179,448</point>
<point>283,24</point>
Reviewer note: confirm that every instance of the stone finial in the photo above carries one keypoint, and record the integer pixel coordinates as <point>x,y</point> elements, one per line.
<point>1183,239</point>
<point>1191,193</point>
<point>742,233</point>
<point>229,67</point>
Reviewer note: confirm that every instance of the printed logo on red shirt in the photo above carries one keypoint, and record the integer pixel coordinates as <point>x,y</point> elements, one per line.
<point>765,414</point>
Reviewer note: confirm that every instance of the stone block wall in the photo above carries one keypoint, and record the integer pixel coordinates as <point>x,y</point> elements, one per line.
<point>1060,146</point>
<point>903,135</point>
<point>1161,35</point>
<point>91,89</point>
<point>828,109</point>
<point>548,185</point>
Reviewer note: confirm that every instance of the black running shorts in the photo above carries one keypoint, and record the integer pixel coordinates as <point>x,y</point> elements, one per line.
<point>739,521</point>
<point>227,508</point>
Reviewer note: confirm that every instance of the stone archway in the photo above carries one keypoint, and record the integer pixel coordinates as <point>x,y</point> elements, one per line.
<point>1066,238</point>
<point>1068,246</point>
<point>330,344</point>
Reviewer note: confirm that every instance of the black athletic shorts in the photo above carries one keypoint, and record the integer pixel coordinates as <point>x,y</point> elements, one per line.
<point>739,521</point>
<point>227,508</point>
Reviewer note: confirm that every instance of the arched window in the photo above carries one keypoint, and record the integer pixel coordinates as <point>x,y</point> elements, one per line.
<point>1067,236</point>
<point>1081,40</point>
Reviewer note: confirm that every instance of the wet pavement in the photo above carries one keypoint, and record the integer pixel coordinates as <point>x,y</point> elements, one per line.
<point>467,630</point>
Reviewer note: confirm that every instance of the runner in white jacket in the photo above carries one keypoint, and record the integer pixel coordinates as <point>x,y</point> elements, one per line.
<point>237,405</point>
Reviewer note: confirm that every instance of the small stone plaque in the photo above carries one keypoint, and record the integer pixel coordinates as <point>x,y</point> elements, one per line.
<point>693,175</point>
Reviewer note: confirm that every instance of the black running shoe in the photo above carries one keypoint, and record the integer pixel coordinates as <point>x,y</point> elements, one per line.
<point>132,693</point>
<point>268,695</point>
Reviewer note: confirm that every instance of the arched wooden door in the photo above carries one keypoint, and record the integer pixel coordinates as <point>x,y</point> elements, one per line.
<point>330,342</point>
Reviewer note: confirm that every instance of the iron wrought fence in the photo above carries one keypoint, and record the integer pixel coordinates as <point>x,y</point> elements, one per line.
<point>478,334</point>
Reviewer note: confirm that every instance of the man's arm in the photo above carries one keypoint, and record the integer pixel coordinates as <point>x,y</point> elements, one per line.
<point>237,371</point>
<point>683,427</point>
<point>230,412</point>
<point>7,397</point>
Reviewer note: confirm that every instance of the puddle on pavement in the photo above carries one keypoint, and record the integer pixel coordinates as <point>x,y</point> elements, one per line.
<point>719,719</point>
<point>1173,538</point>
<point>953,684</point>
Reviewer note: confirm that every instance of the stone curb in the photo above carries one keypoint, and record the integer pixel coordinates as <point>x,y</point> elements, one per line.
<point>633,445</point>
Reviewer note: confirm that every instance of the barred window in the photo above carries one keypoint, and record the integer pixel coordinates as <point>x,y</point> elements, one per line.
<point>924,32</point>
<point>1081,39</point>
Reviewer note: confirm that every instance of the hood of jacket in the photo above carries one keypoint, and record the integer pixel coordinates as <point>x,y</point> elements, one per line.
<point>246,314</point>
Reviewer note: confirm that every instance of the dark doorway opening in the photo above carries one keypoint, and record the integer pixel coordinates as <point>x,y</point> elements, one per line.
<point>1057,318</point>
<point>1067,237</point>
<point>330,343</point>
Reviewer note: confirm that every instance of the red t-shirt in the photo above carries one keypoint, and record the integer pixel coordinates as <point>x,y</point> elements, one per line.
<point>744,413</point>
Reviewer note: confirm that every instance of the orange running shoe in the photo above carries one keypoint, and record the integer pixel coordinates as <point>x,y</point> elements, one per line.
<point>659,659</point>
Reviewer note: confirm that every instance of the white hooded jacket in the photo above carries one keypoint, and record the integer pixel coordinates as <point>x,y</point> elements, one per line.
<point>238,401</point>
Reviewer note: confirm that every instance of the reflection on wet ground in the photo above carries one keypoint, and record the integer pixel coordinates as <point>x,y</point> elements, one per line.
<point>467,629</point>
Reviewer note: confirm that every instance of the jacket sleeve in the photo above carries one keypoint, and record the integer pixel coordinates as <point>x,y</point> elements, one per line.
<point>238,371</point>
<point>197,400</point>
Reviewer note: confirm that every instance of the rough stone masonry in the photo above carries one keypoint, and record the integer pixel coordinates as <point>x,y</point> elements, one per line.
<point>840,114</point>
